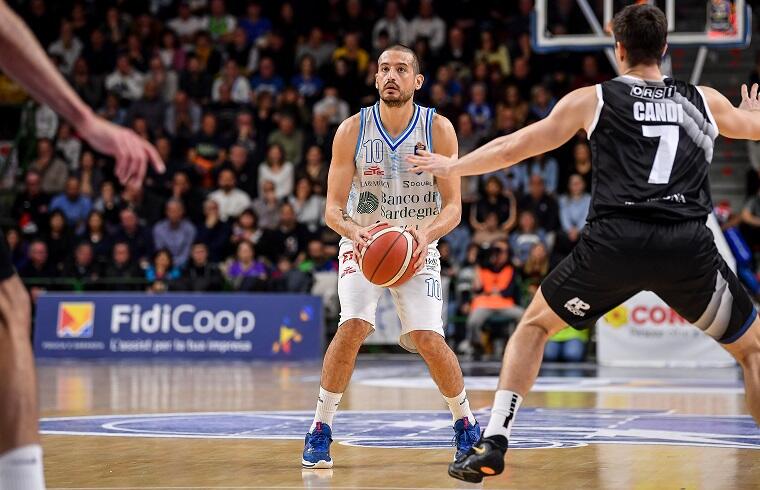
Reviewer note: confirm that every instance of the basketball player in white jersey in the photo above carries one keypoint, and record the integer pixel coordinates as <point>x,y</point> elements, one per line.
<point>23,59</point>
<point>369,182</point>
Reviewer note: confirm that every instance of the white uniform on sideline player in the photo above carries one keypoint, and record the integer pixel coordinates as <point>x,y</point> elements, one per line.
<point>370,182</point>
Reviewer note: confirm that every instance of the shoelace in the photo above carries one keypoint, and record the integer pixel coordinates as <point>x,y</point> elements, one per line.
<point>318,440</point>
<point>464,438</point>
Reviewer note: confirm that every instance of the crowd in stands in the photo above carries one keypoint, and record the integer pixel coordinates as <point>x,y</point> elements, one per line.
<point>242,100</point>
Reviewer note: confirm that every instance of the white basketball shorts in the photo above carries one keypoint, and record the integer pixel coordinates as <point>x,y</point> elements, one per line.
<point>419,301</point>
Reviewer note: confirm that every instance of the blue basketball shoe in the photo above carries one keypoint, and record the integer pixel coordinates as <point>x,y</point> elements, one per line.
<point>316,449</point>
<point>465,435</point>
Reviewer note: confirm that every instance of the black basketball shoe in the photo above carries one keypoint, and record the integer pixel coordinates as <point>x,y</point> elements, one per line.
<point>486,458</point>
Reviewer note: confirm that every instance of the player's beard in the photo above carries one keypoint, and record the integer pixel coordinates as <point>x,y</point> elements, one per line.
<point>398,100</point>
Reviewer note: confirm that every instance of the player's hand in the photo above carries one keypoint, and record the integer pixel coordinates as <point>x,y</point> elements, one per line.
<point>420,253</point>
<point>131,152</point>
<point>361,237</point>
<point>750,100</point>
<point>433,163</point>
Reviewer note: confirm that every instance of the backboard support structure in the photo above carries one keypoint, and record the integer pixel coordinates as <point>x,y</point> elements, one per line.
<point>707,24</point>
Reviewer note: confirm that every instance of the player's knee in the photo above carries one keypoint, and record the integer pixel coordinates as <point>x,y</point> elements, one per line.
<point>427,342</point>
<point>354,330</point>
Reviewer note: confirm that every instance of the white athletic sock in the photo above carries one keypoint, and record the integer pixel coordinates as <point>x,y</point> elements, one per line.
<point>505,406</point>
<point>460,407</point>
<point>327,405</point>
<point>21,469</point>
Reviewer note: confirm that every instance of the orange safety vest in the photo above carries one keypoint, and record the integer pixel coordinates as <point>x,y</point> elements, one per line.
<point>493,282</point>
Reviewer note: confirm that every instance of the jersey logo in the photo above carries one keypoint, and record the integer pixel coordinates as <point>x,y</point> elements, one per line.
<point>577,307</point>
<point>348,256</point>
<point>348,270</point>
<point>374,170</point>
<point>652,92</point>
<point>368,203</point>
<point>420,146</point>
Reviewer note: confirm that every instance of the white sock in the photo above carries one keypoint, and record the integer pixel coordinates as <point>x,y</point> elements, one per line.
<point>21,469</point>
<point>460,407</point>
<point>327,405</point>
<point>505,406</point>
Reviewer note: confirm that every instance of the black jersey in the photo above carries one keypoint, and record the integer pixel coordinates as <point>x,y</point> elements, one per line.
<point>651,145</point>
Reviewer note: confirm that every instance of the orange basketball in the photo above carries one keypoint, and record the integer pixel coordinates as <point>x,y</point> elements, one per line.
<point>387,260</point>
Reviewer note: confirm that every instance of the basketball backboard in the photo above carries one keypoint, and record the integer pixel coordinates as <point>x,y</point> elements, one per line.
<point>560,25</point>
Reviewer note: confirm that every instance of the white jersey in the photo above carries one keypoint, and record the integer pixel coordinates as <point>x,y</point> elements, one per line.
<point>383,189</point>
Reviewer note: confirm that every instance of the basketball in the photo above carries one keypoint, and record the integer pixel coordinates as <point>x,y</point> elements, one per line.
<point>387,260</point>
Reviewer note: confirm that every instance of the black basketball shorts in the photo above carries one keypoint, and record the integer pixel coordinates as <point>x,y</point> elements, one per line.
<point>617,258</point>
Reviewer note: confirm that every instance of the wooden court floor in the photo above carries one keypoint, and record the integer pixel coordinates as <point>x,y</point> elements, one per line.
<point>240,426</point>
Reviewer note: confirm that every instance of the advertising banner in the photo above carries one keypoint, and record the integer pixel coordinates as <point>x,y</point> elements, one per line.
<point>211,326</point>
<point>644,331</point>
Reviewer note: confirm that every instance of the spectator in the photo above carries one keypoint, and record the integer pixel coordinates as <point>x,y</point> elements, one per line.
<point>244,272</point>
<point>18,248</point>
<point>543,206</point>
<point>542,102</point>
<point>207,150</point>
<point>88,87</point>
<point>185,25</point>
<point>90,176</point>
<point>99,55</point>
<point>589,73</point>
<point>67,47</point>
<point>527,235</point>
<point>489,231</point>
<point>51,169</point>
<point>352,53</point>
<point>499,202</point>
<point>30,206</point>
<point>209,57</point>
<point>495,289</point>
<point>512,100</point>
<point>172,55</point>
<point>175,233</point>
<point>195,81</point>
<point>150,107</point>
<point>161,272</point>
<point>546,167</point>
<point>200,275</point>
<point>108,204</point>
<point>429,26</point>
<point>125,81</point>
<point>97,236</point>
<point>307,82</point>
<point>218,23</point>
<point>315,170</point>
<point>288,239</point>
<point>231,200</point>
<point>478,109</point>
<point>241,168</point>
<point>254,24</point>
<point>137,236</point>
<point>72,203</point>
<point>214,232</point>
<point>290,279</point>
<point>493,55</point>
<point>534,271</point>
<point>277,170</point>
<point>38,266</point>
<point>67,145</point>
<point>393,24</point>
<point>266,80</point>
<point>568,345</point>
<point>245,135</point>
<point>183,117</point>
<point>240,90</point>
<point>121,273</point>
<point>289,138</point>
<point>582,162</point>
<point>113,111</point>
<point>59,240</point>
<point>331,106</point>
<point>574,207</point>
<point>82,266</point>
<point>316,260</point>
<point>309,208</point>
<point>316,48</point>
<point>246,228</point>
<point>267,205</point>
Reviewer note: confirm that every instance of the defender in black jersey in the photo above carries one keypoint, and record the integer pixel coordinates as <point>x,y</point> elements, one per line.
<point>652,143</point>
